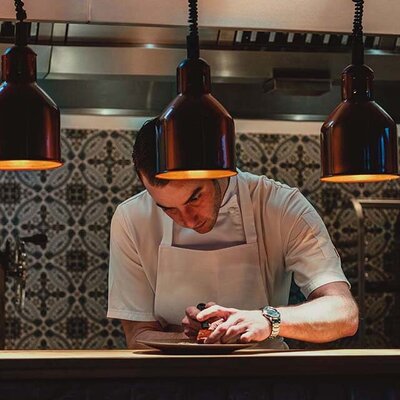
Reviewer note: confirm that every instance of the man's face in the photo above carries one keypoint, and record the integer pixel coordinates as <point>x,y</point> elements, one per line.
<point>193,204</point>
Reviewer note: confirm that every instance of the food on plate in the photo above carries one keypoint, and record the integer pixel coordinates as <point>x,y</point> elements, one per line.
<point>203,335</point>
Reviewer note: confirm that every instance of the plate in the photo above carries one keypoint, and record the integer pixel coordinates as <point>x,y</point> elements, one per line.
<point>186,346</point>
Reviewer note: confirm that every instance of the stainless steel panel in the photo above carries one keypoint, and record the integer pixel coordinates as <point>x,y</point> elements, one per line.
<point>95,61</point>
<point>59,33</point>
<point>44,31</point>
<point>118,34</point>
<point>226,37</point>
<point>149,96</point>
<point>242,65</point>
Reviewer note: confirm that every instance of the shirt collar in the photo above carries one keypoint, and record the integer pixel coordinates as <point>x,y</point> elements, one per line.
<point>231,191</point>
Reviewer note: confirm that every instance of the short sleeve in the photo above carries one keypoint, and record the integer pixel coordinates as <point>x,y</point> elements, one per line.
<point>310,253</point>
<point>130,295</point>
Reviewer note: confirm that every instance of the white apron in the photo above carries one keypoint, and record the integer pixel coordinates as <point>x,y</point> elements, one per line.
<point>231,277</point>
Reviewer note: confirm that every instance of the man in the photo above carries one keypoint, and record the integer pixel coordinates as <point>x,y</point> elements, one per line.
<point>232,243</point>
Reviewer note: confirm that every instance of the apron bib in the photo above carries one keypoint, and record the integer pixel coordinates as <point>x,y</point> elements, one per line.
<point>231,277</point>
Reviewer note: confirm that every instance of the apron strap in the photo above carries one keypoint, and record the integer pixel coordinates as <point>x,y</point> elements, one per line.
<point>246,208</point>
<point>168,225</point>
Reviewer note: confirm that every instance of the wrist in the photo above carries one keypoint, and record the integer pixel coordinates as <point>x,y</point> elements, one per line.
<point>274,318</point>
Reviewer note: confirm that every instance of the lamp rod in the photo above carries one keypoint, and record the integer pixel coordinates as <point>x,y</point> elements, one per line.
<point>19,9</point>
<point>358,44</point>
<point>22,28</point>
<point>192,40</point>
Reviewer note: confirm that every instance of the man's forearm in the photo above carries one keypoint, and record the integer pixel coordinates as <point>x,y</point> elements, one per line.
<point>323,319</point>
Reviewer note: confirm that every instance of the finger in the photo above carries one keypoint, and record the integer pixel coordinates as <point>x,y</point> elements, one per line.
<point>212,319</point>
<point>191,333</point>
<point>234,332</point>
<point>190,318</point>
<point>215,324</point>
<point>192,312</point>
<point>220,327</point>
<point>215,311</point>
<point>247,337</point>
<point>188,322</point>
<point>192,325</point>
<point>219,332</point>
<point>236,318</point>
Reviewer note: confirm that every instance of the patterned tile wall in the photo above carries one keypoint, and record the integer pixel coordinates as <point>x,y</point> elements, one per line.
<point>66,295</point>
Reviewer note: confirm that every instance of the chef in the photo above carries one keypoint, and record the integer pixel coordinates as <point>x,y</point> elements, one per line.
<point>233,243</point>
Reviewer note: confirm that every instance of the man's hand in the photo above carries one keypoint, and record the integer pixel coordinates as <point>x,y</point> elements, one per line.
<point>191,325</point>
<point>238,326</point>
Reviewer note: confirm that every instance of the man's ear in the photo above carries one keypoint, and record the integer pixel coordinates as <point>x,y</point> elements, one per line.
<point>139,175</point>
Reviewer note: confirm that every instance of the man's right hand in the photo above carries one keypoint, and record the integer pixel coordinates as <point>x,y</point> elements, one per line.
<point>190,324</point>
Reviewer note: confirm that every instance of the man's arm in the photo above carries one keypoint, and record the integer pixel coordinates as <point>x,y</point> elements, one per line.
<point>152,330</point>
<point>329,314</point>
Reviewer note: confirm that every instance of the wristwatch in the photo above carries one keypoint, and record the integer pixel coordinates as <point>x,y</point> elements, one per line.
<point>273,316</point>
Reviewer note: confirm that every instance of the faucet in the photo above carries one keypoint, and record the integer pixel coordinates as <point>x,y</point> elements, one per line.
<point>13,263</point>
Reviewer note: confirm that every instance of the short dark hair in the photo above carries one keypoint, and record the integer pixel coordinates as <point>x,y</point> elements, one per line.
<point>144,153</point>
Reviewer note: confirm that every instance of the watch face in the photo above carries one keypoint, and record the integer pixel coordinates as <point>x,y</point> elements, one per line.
<point>271,312</point>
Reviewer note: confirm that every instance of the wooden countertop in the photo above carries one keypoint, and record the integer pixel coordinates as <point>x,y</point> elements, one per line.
<point>75,364</point>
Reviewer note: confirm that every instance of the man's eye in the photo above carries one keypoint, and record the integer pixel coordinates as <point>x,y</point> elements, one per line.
<point>195,198</point>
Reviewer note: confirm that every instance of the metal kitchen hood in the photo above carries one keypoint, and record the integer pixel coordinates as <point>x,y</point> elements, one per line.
<point>130,69</point>
<point>380,17</point>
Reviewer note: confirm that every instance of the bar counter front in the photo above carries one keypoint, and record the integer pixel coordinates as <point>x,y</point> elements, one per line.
<point>245,374</point>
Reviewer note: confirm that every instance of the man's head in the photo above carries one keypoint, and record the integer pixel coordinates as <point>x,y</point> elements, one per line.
<point>190,203</point>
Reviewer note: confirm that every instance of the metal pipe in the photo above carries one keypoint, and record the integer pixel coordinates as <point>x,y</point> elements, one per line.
<point>360,269</point>
<point>2,300</point>
<point>359,205</point>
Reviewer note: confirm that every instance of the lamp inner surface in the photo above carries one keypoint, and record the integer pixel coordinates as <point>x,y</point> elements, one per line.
<point>196,174</point>
<point>359,178</point>
<point>22,165</point>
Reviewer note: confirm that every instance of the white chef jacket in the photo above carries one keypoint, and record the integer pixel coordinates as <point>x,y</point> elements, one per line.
<point>228,229</point>
<point>291,237</point>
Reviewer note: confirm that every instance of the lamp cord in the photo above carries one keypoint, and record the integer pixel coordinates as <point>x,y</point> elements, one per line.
<point>20,12</point>
<point>358,44</point>
<point>192,40</point>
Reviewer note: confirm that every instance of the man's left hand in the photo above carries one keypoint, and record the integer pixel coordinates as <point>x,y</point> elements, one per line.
<point>238,326</point>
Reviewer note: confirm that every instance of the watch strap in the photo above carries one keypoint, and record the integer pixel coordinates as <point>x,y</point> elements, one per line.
<point>274,317</point>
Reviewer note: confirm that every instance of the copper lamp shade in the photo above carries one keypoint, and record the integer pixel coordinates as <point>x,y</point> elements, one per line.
<point>196,135</point>
<point>358,139</point>
<point>29,119</point>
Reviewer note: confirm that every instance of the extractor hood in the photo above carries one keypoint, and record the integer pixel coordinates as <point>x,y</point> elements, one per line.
<point>269,60</point>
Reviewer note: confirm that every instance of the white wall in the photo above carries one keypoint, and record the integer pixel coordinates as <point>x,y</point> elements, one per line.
<point>242,125</point>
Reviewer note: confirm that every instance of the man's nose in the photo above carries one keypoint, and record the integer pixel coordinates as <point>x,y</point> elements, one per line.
<point>190,219</point>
